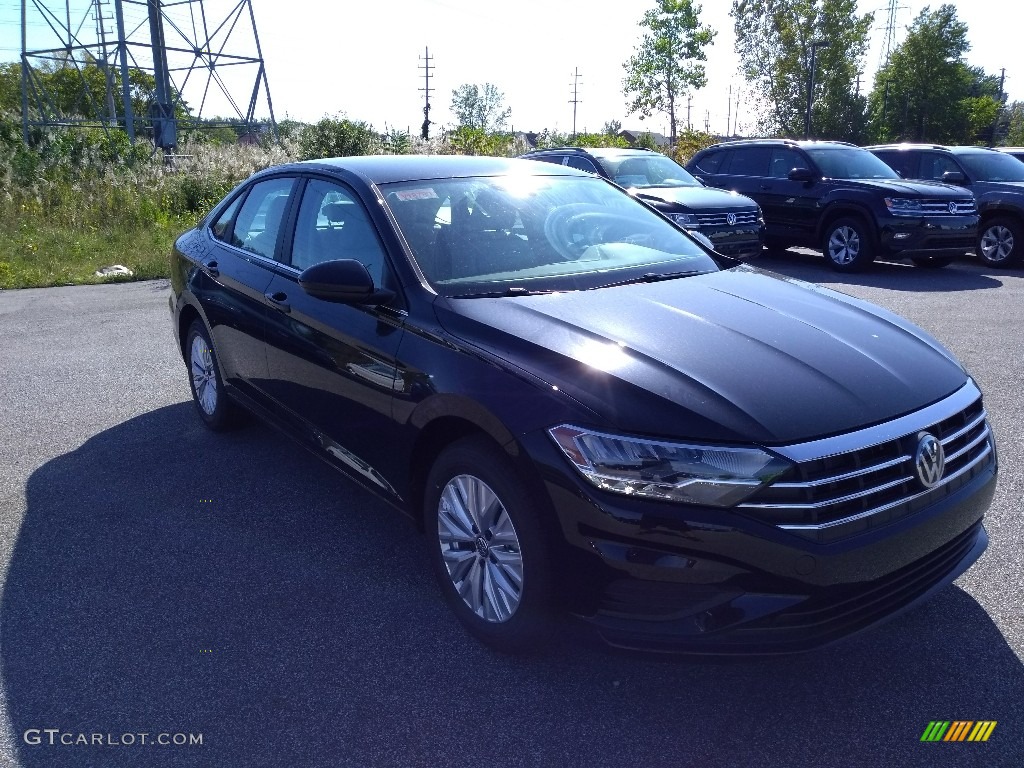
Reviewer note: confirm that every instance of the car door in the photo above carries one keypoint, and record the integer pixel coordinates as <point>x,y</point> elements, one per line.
<point>333,366</point>
<point>747,173</point>
<point>791,205</point>
<point>244,240</point>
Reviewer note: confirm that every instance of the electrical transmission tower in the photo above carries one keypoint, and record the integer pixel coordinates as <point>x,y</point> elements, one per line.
<point>888,42</point>
<point>145,66</point>
<point>426,67</point>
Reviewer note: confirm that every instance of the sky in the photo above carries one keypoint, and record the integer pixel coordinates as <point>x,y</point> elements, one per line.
<point>363,60</point>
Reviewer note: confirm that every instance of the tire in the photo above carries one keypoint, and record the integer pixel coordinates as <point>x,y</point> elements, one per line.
<point>1001,242</point>
<point>495,570</point>
<point>935,263</point>
<point>847,245</point>
<point>215,408</point>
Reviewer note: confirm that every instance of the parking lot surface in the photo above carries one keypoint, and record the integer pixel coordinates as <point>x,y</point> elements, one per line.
<point>159,579</point>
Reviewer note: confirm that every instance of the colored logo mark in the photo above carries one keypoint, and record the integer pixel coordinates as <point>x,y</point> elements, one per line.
<point>958,730</point>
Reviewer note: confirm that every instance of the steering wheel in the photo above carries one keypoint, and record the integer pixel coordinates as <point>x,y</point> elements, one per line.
<point>573,229</point>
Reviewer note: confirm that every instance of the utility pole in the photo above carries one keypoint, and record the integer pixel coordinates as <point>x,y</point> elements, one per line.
<point>689,101</point>
<point>858,84</point>
<point>575,99</point>
<point>728,114</point>
<point>426,67</point>
<point>815,45</point>
<point>707,121</point>
<point>736,124</point>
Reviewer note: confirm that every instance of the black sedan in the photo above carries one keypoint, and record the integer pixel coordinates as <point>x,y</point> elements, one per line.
<point>585,410</point>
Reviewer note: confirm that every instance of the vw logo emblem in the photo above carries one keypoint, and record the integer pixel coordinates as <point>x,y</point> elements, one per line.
<point>929,460</point>
<point>952,207</point>
<point>730,218</point>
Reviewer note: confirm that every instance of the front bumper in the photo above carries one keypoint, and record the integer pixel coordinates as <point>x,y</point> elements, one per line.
<point>736,242</point>
<point>937,236</point>
<point>669,578</point>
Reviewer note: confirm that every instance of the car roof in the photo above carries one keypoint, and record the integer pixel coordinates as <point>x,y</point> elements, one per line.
<point>956,150</point>
<point>808,144</point>
<point>382,169</point>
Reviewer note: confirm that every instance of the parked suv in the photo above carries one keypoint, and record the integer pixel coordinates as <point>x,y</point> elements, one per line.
<point>995,178</point>
<point>842,199</point>
<point>1017,152</point>
<point>731,222</point>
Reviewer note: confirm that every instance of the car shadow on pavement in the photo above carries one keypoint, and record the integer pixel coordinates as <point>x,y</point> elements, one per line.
<point>962,275</point>
<point>167,580</point>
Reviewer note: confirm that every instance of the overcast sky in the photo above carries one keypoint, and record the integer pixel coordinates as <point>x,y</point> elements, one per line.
<point>362,59</point>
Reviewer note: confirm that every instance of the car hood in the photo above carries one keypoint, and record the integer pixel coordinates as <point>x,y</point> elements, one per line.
<point>732,356</point>
<point>931,189</point>
<point>698,198</point>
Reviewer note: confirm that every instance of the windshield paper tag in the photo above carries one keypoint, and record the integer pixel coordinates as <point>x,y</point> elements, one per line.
<point>426,193</point>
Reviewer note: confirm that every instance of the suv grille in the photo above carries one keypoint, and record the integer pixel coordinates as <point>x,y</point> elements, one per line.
<point>964,206</point>
<point>743,219</point>
<point>837,495</point>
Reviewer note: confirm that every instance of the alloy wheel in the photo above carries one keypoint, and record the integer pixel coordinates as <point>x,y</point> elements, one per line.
<point>204,375</point>
<point>996,244</point>
<point>480,548</point>
<point>844,245</point>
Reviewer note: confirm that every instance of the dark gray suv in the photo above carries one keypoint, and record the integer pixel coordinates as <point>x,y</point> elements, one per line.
<point>996,179</point>
<point>732,222</point>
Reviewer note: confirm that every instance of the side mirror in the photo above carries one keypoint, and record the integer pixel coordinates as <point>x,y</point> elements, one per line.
<point>802,174</point>
<point>954,177</point>
<point>344,281</point>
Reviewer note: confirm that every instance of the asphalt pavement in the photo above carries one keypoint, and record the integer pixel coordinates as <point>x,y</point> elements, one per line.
<point>159,579</point>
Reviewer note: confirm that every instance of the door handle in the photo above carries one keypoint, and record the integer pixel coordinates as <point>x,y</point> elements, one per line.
<point>279,300</point>
<point>210,267</point>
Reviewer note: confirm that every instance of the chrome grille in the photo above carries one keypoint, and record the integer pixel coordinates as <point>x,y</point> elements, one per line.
<point>836,494</point>
<point>964,207</point>
<point>743,219</point>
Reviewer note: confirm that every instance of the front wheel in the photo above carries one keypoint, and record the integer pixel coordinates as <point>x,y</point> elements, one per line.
<point>847,245</point>
<point>487,547</point>
<point>1001,242</point>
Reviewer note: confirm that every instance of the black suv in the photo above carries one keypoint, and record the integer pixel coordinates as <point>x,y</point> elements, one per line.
<point>995,178</point>
<point>731,222</point>
<point>842,199</point>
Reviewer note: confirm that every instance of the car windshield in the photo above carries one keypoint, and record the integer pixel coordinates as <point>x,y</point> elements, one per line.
<point>993,166</point>
<point>850,163</point>
<point>524,233</point>
<point>648,170</point>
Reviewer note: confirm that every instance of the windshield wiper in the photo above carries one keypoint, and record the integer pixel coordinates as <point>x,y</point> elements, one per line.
<point>512,290</point>
<point>650,277</point>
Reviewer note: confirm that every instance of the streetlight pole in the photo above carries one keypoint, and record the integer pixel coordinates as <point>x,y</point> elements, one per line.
<point>815,45</point>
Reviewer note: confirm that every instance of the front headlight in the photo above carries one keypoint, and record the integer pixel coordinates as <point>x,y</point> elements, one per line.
<point>695,474</point>
<point>685,219</point>
<point>903,206</point>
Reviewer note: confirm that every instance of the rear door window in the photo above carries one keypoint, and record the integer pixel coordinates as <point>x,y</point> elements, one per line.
<point>258,224</point>
<point>750,161</point>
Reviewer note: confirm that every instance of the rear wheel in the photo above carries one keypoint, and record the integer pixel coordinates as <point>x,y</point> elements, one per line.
<point>487,547</point>
<point>847,245</point>
<point>215,408</point>
<point>1001,242</point>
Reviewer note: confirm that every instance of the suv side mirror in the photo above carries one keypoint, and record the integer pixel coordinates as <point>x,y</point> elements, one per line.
<point>954,177</point>
<point>344,281</point>
<point>802,174</point>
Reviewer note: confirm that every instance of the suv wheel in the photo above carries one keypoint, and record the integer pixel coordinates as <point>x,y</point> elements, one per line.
<point>1000,242</point>
<point>847,245</point>
<point>487,547</point>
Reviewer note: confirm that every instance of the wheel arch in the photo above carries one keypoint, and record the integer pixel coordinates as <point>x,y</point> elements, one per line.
<point>837,211</point>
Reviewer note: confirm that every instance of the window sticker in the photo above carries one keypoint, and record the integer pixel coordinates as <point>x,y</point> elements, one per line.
<point>426,193</point>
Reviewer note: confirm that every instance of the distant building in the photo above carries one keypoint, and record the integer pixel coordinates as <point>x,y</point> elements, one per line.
<point>633,137</point>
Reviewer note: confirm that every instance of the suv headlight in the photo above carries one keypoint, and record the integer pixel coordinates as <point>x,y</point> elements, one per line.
<point>695,474</point>
<point>685,219</point>
<point>903,206</point>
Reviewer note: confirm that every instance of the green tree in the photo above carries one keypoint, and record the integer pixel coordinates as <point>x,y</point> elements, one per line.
<point>667,63</point>
<point>927,92</point>
<point>480,106</point>
<point>337,137</point>
<point>773,42</point>
<point>1013,119</point>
